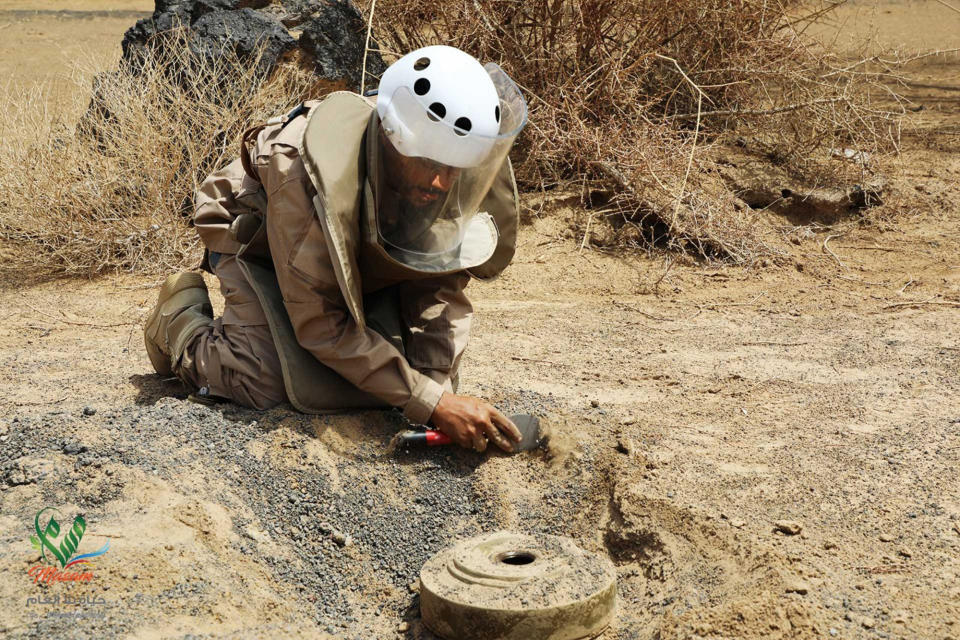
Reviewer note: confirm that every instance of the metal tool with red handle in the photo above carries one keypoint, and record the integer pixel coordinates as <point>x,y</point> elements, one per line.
<point>431,437</point>
<point>529,427</point>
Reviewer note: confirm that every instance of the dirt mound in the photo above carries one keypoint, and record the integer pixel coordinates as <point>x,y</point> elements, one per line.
<point>726,586</point>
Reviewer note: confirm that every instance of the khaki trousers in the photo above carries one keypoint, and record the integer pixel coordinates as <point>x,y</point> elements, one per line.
<point>235,357</point>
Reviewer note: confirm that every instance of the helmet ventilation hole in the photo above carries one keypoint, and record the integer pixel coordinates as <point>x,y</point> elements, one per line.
<point>437,111</point>
<point>496,113</point>
<point>421,64</point>
<point>421,86</point>
<point>462,126</point>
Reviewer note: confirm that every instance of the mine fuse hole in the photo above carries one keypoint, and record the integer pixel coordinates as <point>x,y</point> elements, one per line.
<point>516,558</point>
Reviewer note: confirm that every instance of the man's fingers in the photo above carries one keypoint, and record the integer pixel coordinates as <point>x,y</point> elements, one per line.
<point>479,442</point>
<point>506,425</point>
<point>493,433</point>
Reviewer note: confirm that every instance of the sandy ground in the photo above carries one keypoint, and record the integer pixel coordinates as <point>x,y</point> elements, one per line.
<point>695,408</point>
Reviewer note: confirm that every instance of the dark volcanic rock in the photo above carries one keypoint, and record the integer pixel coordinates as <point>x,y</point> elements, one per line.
<point>334,39</point>
<point>331,43</point>
<point>245,32</point>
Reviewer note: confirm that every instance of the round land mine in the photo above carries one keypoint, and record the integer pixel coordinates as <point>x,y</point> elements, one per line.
<point>512,586</point>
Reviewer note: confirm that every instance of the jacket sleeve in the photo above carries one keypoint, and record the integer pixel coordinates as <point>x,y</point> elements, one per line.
<point>321,321</point>
<point>437,315</point>
<point>216,207</point>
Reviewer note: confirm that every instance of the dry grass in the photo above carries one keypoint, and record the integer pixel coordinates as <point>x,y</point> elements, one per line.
<point>627,100</point>
<point>115,193</point>
<point>627,97</point>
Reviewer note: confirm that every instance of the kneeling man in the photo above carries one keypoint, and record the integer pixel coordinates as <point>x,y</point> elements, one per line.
<point>343,239</point>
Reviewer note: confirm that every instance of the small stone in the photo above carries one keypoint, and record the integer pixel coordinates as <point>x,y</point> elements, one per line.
<point>829,544</point>
<point>256,535</point>
<point>788,527</point>
<point>414,586</point>
<point>886,537</point>
<point>656,459</point>
<point>89,411</point>
<point>403,627</point>
<point>833,631</point>
<point>738,524</point>
<point>797,586</point>
<point>867,623</point>
<point>594,403</point>
<point>72,448</point>
<point>905,552</point>
<point>625,446</point>
<point>18,476</point>
<point>341,539</point>
<point>628,421</point>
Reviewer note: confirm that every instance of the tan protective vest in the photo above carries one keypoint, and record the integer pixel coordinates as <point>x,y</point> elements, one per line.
<point>338,146</point>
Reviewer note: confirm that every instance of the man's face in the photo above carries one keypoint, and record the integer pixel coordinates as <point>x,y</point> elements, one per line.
<point>419,181</point>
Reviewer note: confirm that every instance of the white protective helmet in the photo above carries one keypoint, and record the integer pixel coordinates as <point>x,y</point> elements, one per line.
<point>441,105</point>
<point>456,116</point>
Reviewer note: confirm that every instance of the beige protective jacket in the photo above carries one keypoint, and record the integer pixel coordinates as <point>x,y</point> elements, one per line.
<point>435,310</point>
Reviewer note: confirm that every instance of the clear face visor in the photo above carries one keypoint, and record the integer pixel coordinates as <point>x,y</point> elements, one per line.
<point>428,211</point>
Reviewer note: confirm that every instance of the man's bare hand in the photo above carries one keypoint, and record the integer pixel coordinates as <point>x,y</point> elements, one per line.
<point>471,422</point>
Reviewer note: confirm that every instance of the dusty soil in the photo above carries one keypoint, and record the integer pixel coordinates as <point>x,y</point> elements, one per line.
<point>764,453</point>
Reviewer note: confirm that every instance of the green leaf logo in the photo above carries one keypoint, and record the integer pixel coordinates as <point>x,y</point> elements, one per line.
<point>47,535</point>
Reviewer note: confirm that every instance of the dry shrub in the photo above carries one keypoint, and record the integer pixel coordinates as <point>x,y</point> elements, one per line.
<point>615,88</point>
<point>627,99</point>
<point>115,192</point>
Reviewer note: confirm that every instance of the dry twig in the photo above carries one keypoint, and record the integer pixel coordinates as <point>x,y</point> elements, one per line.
<point>756,112</point>
<point>948,6</point>
<point>904,287</point>
<point>917,303</point>
<point>366,45</point>
<point>718,305</point>
<point>867,282</point>
<point>628,307</point>
<point>827,249</point>
<point>522,359</point>
<point>79,324</point>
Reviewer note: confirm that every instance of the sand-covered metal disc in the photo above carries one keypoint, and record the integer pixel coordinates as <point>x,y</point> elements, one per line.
<point>512,586</point>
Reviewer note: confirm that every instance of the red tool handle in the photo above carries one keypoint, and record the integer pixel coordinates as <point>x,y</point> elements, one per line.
<point>436,438</point>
